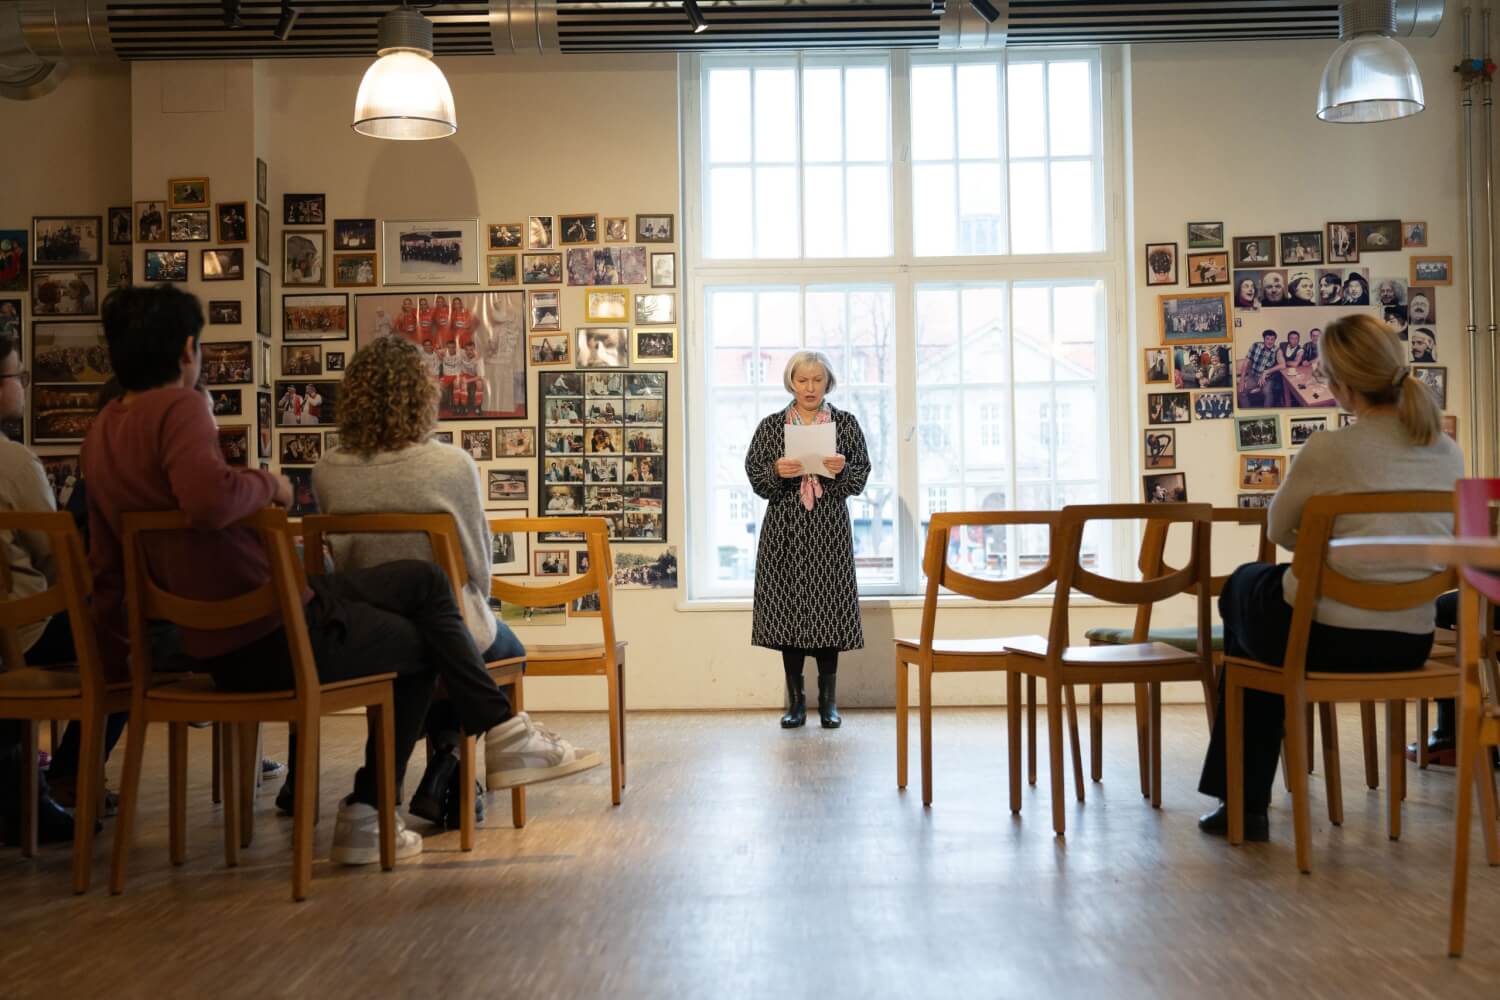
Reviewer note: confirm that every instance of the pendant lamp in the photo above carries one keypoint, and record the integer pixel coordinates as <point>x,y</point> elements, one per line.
<point>403,94</point>
<point>1370,77</point>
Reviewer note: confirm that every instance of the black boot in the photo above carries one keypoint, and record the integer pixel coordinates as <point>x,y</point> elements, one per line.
<point>828,710</point>
<point>453,801</point>
<point>796,700</point>
<point>428,801</point>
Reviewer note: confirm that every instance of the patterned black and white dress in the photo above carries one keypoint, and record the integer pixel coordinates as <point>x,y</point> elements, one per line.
<point>806,596</point>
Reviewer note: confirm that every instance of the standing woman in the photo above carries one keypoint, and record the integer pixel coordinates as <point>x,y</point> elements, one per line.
<point>806,596</point>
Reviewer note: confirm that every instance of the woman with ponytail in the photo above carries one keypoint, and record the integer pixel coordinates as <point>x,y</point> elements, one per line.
<point>1396,443</point>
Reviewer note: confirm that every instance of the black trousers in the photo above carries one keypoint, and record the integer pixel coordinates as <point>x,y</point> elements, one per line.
<point>397,618</point>
<point>1447,709</point>
<point>1257,621</point>
<point>792,660</point>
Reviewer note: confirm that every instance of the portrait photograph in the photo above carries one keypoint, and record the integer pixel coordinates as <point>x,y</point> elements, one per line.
<point>1432,270</point>
<point>1422,341</point>
<point>73,292</point>
<point>1202,366</point>
<point>300,449</point>
<point>234,221</point>
<point>540,233</point>
<point>1161,263</point>
<point>333,361</point>
<point>542,268</point>
<point>1450,425</point>
<point>1167,487</point>
<point>62,414</point>
<point>303,257</point>
<point>234,443</point>
<point>617,229</point>
<point>1421,305</point>
<point>501,269</point>
<point>224,312</point>
<point>1168,408</point>
<point>1413,234</point>
<point>1193,318</point>
<point>1299,429</point>
<point>582,227</point>
<point>505,235</point>
<point>354,234</point>
<point>508,484</point>
<point>606,305</point>
<point>515,442</point>
<point>549,349</point>
<point>315,317</point>
<point>655,308</point>
<point>1160,449</point>
<point>304,499</point>
<point>602,347</point>
<point>1261,472</point>
<point>1302,248</point>
<point>117,225</point>
<point>1205,235</point>
<point>263,423</point>
<point>150,221</point>
<point>117,267</point>
<point>1247,290</point>
<point>551,562</point>
<point>545,312</point>
<point>355,270</point>
<point>654,229</point>
<point>166,265</point>
<point>1343,243</point>
<point>70,352</point>
<point>1158,366</point>
<point>653,347</point>
<point>1254,251</point>
<point>1275,290</point>
<point>1213,405</point>
<point>306,404</point>
<point>480,445</point>
<point>263,234</point>
<point>1257,433</point>
<point>562,470</point>
<point>304,209</point>
<point>223,265</point>
<point>227,402</point>
<point>301,359</point>
<point>1388,292</point>
<point>431,251</point>
<point>228,363</point>
<point>664,270</point>
<point>509,550</point>
<point>1206,269</point>
<point>187,192</point>
<point>1380,236</point>
<point>191,226</point>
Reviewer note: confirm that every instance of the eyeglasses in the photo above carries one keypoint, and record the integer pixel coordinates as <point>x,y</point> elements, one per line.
<point>24,376</point>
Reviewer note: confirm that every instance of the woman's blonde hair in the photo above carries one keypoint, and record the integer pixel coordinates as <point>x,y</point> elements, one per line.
<point>1362,354</point>
<point>802,359</point>
<point>386,401</point>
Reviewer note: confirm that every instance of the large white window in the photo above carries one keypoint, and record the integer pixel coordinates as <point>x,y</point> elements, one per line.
<point>936,224</point>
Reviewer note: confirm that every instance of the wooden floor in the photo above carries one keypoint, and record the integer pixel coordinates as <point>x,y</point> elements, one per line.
<point>750,862</point>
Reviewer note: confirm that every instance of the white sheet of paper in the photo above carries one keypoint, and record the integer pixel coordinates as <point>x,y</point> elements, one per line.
<point>810,444</point>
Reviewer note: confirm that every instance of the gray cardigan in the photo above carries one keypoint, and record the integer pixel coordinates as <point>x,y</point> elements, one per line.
<point>430,478</point>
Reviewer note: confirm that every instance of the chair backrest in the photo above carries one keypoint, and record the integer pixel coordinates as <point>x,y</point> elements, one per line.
<point>598,579</point>
<point>279,596</point>
<point>441,531</point>
<point>1477,517</point>
<point>1316,579</point>
<point>940,574</point>
<point>1158,581</point>
<point>1154,549</point>
<point>69,594</point>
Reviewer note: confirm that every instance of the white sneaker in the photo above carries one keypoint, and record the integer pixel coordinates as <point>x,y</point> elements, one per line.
<point>356,836</point>
<point>521,752</point>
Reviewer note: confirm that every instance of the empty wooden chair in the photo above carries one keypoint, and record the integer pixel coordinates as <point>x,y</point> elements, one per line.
<point>196,698</point>
<point>603,659</point>
<point>80,693</point>
<point>932,655</point>
<point>442,535</point>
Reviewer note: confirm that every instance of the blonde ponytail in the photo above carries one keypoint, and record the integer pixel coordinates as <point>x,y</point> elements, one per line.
<point>1360,353</point>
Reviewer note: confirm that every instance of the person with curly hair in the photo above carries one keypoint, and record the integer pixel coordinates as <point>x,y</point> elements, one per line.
<point>388,461</point>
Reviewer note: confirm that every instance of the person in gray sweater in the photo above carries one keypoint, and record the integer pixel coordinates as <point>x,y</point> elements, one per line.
<point>1396,444</point>
<point>387,461</point>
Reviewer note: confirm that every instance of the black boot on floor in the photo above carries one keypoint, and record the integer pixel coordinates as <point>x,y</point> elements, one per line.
<point>1257,824</point>
<point>828,709</point>
<point>428,801</point>
<point>796,700</point>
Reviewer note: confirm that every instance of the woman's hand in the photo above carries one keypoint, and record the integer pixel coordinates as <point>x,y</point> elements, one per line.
<point>834,464</point>
<point>788,468</point>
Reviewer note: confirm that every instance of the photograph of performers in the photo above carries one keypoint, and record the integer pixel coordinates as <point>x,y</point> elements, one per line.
<point>1202,366</point>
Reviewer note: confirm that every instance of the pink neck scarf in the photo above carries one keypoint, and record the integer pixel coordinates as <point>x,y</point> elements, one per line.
<point>811,488</point>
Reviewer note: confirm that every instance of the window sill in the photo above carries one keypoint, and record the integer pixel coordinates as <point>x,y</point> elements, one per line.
<point>900,602</point>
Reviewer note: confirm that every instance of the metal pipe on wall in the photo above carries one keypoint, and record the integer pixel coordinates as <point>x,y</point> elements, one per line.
<point>1472,328</point>
<point>1490,405</point>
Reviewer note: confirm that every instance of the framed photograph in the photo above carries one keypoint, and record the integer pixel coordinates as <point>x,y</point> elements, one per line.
<point>192,226</point>
<point>62,474</point>
<point>234,221</point>
<point>1161,263</point>
<point>1299,429</point>
<point>541,268</point>
<point>13,261</point>
<point>1254,501</point>
<point>655,308</point>
<point>260,180</point>
<point>1413,234</point>
<point>333,361</point>
<point>306,404</point>
<point>1255,433</point>
<point>606,305</point>
<point>1206,269</point>
<point>315,317</point>
<point>1431,270</point>
<point>508,484</point>
<point>227,402</point>
<point>653,347</point>
<point>330,441</point>
<point>1166,487</point>
<point>545,313</point>
<point>579,228</point>
<point>1158,366</point>
<point>586,606</point>
<point>301,359</point>
<point>1213,405</point>
<point>1422,342</point>
<point>617,229</point>
<point>647,570</point>
<point>606,265</point>
<point>1261,472</point>
<point>481,372</point>
<point>263,374</point>
<point>431,251</point>
<point>1380,236</point>
<point>505,235</point>
<point>223,265</point>
<point>540,232</point>
<point>304,255</point>
<point>1202,366</point>
<point>353,234</point>
<point>70,352</point>
<point>655,229</point>
<point>225,312</point>
<point>1450,425</point>
<point>263,235</point>
<point>1194,318</point>
<point>1302,247</point>
<point>516,615</point>
<point>355,270</point>
<point>551,562</point>
<point>515,442</point>
<point>1421,305</point>
<point>443,437</point>
<point>234,444</point>
<point>62,414</point>
<point>187,192</point>
<point>1254,251</point>
<point>1205,235</point>
<point>501,269</point>
<point>480,444</point>
<point>602,347</point>
<point>509,550</point>
<point>304,500</point>
<point>304,209</point>
<point>10,318</point>
<point>263,302</point>
<point>1168,408</point>
<point>118,269</point>
<point>118,225</point>
<point>664,270</point>
<point>300,449</point>
<point>263,424</point>
<point>1160,449</point>
<point>74,292</point>
<point>1343,243</point>
<point>1435,378</point>
<point>228,363</point>
<point>548,349</point>
<point>150,221</point>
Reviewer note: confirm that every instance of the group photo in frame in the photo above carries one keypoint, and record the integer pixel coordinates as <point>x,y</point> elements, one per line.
<point>306,403</point>
<point>66,239</point>
<point>70,352</point>
<point>63,414</point>
<point>353,234</point>
<point>315,317</point>
<point>430,251</point>
<point>1192,318</point>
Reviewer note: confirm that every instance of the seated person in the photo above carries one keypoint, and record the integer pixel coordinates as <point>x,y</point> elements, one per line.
<point>1396,444</point>
<point>157,449</point>
<point>388,462</point>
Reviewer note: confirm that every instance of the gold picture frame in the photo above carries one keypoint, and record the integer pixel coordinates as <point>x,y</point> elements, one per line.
<point>347,272</point>
<point>549,350</point>
<point>610,304</point>
<point>187,192</point>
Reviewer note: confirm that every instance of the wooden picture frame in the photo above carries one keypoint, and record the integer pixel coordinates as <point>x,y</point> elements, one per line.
<point>1431,270</point>
<point>188,192</point>
<point>311,266</point>
<point>577,229</point>
<point>1161,264</point>
<point>1173,332</point>
<point>1208,270</point>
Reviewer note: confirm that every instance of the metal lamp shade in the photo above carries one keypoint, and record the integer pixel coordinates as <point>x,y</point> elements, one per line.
<point>404,95</point>
<point>1370,78</point>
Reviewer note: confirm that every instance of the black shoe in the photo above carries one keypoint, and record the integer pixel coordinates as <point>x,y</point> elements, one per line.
<point>452,818</point>
<point>1257,824</point>
<point>796,699</point>
<point>428,801</point>
<point>53,824</point>
<point>828,710</point>
<point>286,797</point>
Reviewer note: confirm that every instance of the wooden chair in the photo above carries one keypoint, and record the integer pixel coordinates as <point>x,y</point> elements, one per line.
<point>1149,663</point>
<point>81,693</point>
<point>442,535</point>
<point>606,658</point>
<point>1301,685</point>
<point>931,655</point>
<point>196,698</point>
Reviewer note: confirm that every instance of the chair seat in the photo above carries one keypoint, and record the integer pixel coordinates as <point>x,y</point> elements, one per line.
<point>1431,670</point>
<point>34,682</point>
<point>567,651</point>
<point>1135,654</point>
<point>1183,638</point>
<point>997,646</point>
<point>201,687</point>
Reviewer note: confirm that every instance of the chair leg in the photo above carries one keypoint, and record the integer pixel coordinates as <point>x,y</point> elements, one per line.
<point>1422,724</point>
<point>305,794</point>
<point>1013,733</point>
<point>216,792</point>
<point>616,775</point>
<point>1395,737</point>
<point>1143,737</point>
<point>1031,729</point>
<point>130,784</point>
<point>1328,719</point>
<point>90,793</point>
<point>620,687</point>
<point>924,717</point>
<point>1072,706</point>
<point>1234,758</point>
<point>1096,731</point>
<point>466,794</point>
<point>902,712</point>
<point>1470,752</point>
<point>233,735</point>
<point>1297,752</point>
<point>1311,740</point>
<point>1372,744</point>
<point>383,723</point>
<point>1055,754</point>
<point>177,790</point>
<point>30,789</point>
<point>518,794</point>
<point>1155,723</point>
<point>249,778</point>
